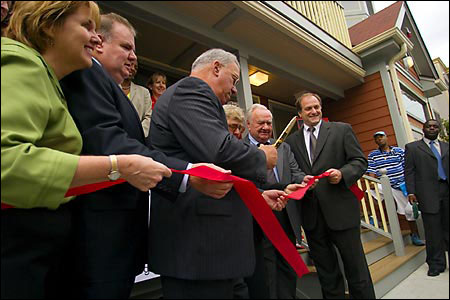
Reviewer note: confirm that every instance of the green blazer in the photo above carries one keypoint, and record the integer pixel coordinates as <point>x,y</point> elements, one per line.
<point>40,141</point>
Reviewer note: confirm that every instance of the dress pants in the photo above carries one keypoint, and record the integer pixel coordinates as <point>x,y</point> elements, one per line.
<point>174,288</point>
<point>32,243</point>
<point>436,231</point>
<point>321,241</point>
<point>280,276</point>
<point>254,286</point>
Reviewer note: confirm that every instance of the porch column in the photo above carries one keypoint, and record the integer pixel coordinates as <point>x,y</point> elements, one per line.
<point>244,89</point>
<point>399,127</point>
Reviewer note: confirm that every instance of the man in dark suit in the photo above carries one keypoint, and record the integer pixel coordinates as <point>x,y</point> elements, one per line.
<point>330,212</point>
<point>279,275</point>
<point>110,226</point>
<point>199,245</point>
<point>426,173</point>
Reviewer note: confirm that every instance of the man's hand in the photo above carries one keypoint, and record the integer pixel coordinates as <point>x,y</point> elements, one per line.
<point>275,199</point>
<point>271,155</point>
<point>412,198</point>
<point>211,188</point>
<point>335,176</point>
<point>293,187</point>
<point>307,178</point>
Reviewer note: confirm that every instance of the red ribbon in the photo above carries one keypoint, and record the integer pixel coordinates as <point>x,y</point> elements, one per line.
<point>300,193</point>
<point>261,212</point>
<point>252,199</point>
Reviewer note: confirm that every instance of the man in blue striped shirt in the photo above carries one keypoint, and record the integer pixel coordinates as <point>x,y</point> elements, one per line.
<point>393,160</point>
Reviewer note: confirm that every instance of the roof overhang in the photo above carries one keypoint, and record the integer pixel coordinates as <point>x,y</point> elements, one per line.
<point>432,87</point>
<point>383,46</point>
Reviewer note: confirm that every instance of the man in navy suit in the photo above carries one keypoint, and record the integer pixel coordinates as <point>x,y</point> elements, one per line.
<point>426,174</point>
<point>110,226</point>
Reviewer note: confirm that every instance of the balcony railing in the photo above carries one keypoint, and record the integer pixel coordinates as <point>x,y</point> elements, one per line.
<point>328,15</point>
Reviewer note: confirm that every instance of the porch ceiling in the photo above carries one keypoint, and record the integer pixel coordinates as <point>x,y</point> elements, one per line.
<point>171,34</point>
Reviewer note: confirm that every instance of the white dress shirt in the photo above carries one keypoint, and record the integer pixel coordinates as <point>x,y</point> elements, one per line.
<point>436,144</point>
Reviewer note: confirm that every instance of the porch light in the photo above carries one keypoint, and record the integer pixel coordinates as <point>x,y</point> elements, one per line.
<point>408,61</point>
<point>258,78</point>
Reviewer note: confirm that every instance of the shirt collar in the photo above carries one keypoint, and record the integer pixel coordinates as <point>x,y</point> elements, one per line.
<point>253,140</point>
<point>427,141</point>
<point>94,59</point>
<point>317,127</point>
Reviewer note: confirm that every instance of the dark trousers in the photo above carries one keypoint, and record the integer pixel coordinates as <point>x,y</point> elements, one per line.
<point>254,286</point>
<point>280,276</point>
<point>436,231</point>
<point>32,243</point>
<point>321,241</point>
<point>174,288</point>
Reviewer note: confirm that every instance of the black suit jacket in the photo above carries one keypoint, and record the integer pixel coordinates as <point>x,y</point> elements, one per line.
<point>421,174</point>
<point>109,124</point>
<point>288,172</point>
<point>194,236</point>
<point>338,148</point>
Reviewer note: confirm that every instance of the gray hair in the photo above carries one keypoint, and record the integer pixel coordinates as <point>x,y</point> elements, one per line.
<point>253,108</point>
<point>232,111</point>
<point>107,22</point>
<point>211,55</point>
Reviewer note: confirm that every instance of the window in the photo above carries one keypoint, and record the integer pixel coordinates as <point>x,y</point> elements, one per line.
<point>282,114</point>
<point>414,107</point>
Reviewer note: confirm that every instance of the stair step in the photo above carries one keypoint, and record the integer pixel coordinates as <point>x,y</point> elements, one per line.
<point>390,263</point>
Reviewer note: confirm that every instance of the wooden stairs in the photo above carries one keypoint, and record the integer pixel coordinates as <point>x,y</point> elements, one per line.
<point>387,269</point>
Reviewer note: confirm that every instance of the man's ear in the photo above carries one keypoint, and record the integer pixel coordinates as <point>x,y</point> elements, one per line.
<point>99,46</point>
<point>216,70</point>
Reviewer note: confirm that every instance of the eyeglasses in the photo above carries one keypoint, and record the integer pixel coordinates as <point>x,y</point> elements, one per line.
<point>233,127</point>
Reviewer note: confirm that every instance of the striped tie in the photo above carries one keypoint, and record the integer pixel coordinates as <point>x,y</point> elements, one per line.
<point>312,144</point>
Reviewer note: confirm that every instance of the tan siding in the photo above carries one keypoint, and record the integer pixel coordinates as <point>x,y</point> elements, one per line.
<point>365,108</point>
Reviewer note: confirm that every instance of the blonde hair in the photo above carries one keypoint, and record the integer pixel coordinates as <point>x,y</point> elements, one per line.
<point>31,20</point>
<point>234,112</point>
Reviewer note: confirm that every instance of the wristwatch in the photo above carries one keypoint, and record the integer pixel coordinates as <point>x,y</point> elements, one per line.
<point>114,174</point>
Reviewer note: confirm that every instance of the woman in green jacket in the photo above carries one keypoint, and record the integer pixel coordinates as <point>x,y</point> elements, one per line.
<point>40,143</point>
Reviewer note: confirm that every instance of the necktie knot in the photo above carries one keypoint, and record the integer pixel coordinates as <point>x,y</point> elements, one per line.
<point>312,129</point>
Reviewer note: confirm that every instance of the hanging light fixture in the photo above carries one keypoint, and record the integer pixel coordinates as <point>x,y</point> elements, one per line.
<point>258,78</point>
<point>408,61</point>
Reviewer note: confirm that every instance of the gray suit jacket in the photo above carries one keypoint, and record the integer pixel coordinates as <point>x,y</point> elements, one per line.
<point>338,148</point>
<point>421,174</point>
<point>140,97</point>
<point>193,236</point>
<point>288,172</point>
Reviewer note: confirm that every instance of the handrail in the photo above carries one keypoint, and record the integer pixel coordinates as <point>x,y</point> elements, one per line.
<point>392,231</point>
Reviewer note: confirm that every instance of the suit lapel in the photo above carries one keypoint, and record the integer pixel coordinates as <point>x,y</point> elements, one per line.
<point>280,161</point>
<point>323,136</point>
<point>444,149</point>
<point>424,147</point>
<point>301,146</point>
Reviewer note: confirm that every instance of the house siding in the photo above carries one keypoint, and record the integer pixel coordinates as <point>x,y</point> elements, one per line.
<point>365,108</point>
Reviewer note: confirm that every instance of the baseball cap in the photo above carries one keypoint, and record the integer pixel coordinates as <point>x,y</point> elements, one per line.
<point>379,133</point>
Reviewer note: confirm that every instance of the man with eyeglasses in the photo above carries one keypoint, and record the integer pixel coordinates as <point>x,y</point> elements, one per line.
<point>426,173</point>
<point>198,244</point>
